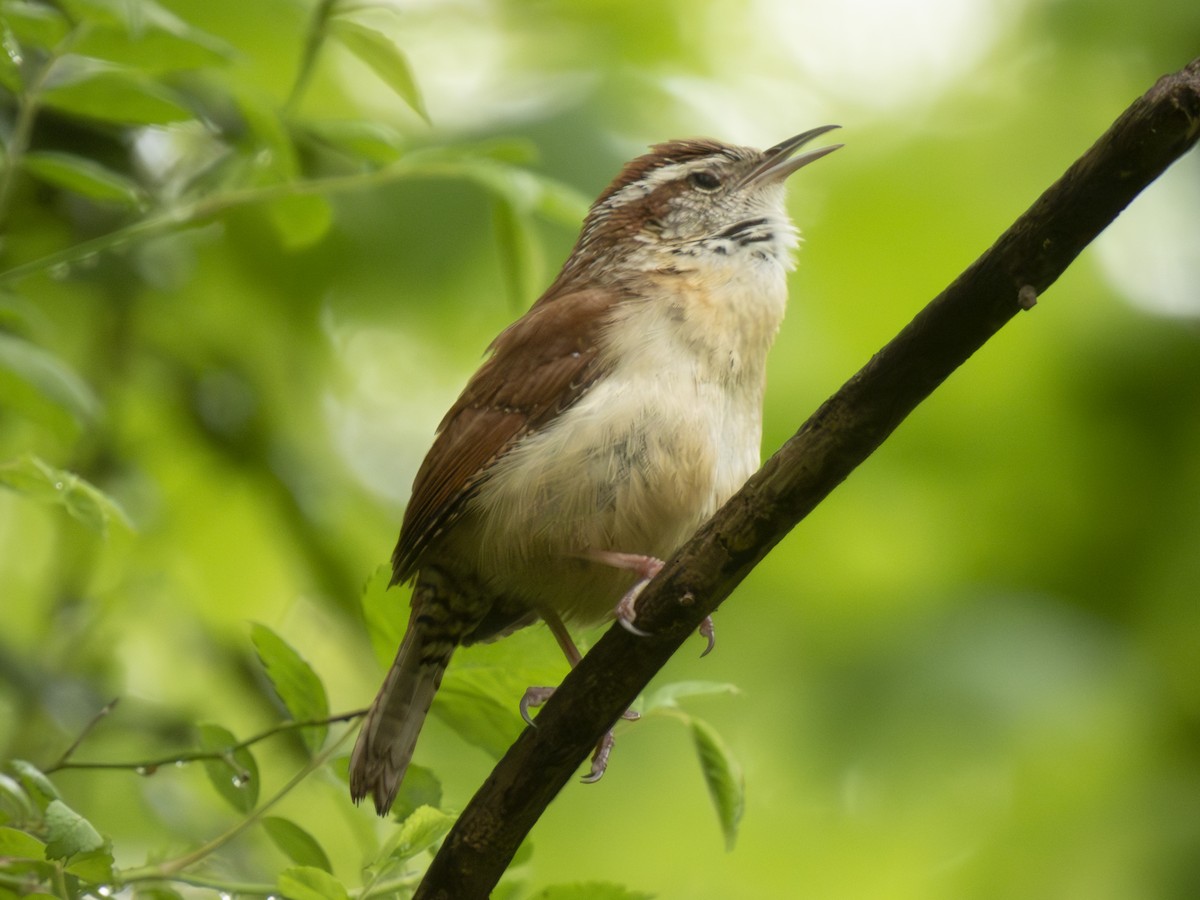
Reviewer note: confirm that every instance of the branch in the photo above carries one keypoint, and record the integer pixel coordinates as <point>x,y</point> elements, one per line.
<point>1155,131</point>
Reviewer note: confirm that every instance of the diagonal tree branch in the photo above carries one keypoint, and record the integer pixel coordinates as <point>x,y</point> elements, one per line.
<point>1155,131</point>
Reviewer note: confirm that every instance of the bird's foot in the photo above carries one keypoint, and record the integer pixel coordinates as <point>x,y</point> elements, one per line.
<point>532,698</point>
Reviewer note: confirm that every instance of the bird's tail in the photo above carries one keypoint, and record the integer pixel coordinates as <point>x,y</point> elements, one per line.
<point>389,731</point>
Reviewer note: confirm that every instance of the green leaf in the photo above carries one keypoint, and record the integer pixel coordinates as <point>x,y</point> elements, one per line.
<point>235,777</point>
<point>40,481</point>
<point>297,844</point>
<point>308,883</point>
<point>142,892</point>
<point>15,805</point>
<point>384,57</point>
<point>148,36</point>
<point>16,844</point>
<point>93,866</point>
<point>518,250</point>
<point>69,833</point>
<point>469,704</point>
<point>372,142</point>
<point>668,695</point>
<point>35,24</point>
<point>83,176</point>
<point>723,775</point>
<point>300,220</point>
<point>34,783</point>
<point>590,890</point>
<point>385,614</point>
<point>422,828</point>
<point>297,685</point>
<point>96,89</point>
<point>50,376</point>
<point>419,788</point>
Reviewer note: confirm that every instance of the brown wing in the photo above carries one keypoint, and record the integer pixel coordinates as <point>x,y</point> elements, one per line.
<point>539,366</point>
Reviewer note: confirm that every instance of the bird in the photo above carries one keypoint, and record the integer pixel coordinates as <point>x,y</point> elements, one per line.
<point>605,425</point>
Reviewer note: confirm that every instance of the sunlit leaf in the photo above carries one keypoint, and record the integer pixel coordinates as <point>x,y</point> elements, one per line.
<point>69,833</point>
<point>385,613</point>
<point>420,787</point>
<point>297,844</point>
<point>50,375</point>
<point>384,57</point>
<point>298,686</point>
<point>590,890</point>
<point>723,776</point>
<point>235,776</point>
<point>15,804</point>
<point>308,883</point>
<point>96,89</point>
<point>83,176</point>
<point>150,37</point>
<point>668,695</point>
<point>33,781</point>
<point>41,481</point>
<point>300,220</point>
<point>420,829</point>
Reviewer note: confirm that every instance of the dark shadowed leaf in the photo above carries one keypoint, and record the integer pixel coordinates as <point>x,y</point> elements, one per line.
<point>297,844</point>
<point>83,176</point>
<point>235,775</point>
<point>419,788</point>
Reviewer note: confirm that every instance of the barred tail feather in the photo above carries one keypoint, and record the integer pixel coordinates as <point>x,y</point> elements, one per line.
<point>389,731</point>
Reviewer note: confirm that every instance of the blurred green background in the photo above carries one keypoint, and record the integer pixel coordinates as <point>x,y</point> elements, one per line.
<point>974,672</point>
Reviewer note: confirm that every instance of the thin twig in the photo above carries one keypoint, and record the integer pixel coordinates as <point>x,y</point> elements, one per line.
<point>150,766</point>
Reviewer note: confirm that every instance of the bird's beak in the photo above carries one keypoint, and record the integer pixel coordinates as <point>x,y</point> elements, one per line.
<point>778,162</point>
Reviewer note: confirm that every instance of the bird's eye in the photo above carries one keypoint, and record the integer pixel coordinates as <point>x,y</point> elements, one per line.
<point>705,180</point>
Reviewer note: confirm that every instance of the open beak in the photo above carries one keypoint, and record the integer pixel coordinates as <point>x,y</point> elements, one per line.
<point>778,162</point>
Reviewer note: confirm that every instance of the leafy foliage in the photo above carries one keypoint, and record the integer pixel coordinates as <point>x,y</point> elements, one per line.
<point>230,232</point>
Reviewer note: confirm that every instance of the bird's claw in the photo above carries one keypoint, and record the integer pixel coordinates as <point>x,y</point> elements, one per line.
<point>533,697</point>
<point>600,759</point>
<point>709,634</point>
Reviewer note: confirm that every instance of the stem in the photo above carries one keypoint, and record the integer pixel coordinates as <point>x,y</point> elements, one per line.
<point>170,868</point>
<point>28,104</point>
<point>416,165</point>
<point>150,765</point>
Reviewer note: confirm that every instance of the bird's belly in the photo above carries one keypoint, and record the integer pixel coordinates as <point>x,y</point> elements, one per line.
<point>634,467</point>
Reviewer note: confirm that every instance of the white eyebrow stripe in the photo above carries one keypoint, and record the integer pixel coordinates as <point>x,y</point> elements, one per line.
<point>660,176</point>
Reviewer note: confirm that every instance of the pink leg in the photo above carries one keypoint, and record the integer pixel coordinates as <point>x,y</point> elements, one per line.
<point>646,568</point>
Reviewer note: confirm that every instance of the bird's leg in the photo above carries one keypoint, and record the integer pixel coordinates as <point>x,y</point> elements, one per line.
<point>646,567</point>
<point>536,696</point>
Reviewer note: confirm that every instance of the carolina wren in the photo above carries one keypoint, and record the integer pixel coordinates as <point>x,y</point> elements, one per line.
<point>608,423</point>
